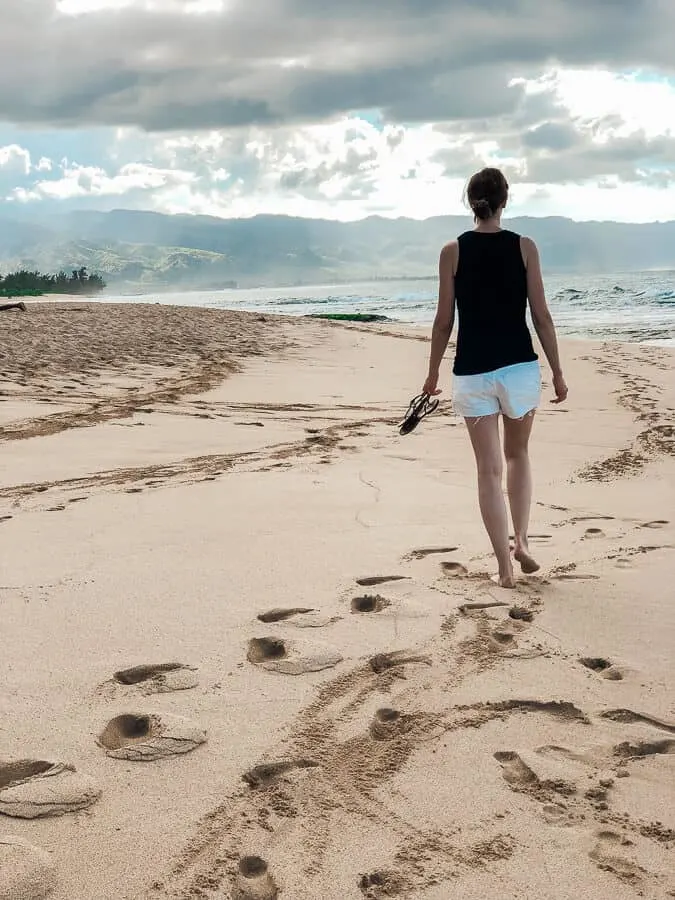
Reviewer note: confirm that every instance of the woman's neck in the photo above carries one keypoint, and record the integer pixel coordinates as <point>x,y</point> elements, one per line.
<point>489,225</point>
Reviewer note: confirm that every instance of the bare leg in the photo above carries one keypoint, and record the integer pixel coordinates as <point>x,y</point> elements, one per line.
<point>519,485</point>
<point>484,433</point>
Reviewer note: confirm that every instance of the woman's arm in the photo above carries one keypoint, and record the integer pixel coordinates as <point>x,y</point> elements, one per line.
<point>445,315</point>
<point>541,317</point>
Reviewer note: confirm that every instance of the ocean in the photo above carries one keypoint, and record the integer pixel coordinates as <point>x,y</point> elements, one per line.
<point>633,307</point>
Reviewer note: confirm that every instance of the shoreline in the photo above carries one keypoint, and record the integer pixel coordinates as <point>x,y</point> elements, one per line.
<point>104,302</point>
<point>172,474</point>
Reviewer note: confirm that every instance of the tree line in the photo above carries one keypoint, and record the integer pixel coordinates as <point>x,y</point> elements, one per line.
<point>25,283</point>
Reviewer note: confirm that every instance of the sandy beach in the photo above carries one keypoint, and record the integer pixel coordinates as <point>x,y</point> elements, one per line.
<point>250,647</point>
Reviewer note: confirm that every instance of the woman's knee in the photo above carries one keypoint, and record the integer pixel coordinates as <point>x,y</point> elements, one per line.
<point>490,469</point>
<point>515,452</point>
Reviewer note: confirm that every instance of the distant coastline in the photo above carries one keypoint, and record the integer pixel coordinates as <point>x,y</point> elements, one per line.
<point>143,251</point>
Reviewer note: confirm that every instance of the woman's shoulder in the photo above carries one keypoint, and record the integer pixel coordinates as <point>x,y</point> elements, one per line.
<point>450,249</point>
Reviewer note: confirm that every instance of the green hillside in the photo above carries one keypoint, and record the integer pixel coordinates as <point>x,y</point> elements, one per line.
<point>137,251</point>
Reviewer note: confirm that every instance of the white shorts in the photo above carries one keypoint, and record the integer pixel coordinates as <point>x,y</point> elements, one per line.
<point>512,390</point>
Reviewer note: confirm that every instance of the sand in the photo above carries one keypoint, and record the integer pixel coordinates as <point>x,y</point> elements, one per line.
<point>250,645</point>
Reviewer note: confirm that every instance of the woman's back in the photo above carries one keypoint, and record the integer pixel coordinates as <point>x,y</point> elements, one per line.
<point>491,296</point>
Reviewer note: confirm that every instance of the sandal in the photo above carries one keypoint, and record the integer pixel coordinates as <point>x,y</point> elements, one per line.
<point>420,407</point>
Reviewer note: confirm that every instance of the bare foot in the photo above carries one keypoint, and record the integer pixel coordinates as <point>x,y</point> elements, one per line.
<point>505,581</point>
<point>527,563</point>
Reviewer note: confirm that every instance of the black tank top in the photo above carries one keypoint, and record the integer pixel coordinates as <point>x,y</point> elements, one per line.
<point>491,297</point>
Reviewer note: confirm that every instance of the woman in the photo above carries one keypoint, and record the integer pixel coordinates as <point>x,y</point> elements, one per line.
<point>490,274</point>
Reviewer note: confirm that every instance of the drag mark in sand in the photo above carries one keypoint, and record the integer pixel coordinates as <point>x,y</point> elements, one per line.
<point>639,395</point>
<point>190,469</point>
<point>378,493</point>
<point>321,774</point>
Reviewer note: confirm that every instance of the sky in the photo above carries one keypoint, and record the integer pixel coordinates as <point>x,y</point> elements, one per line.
<point>337,108</point>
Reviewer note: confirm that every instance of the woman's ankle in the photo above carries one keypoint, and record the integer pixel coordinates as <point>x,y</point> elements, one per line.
<point>505,568</point>
<point>520,542</point>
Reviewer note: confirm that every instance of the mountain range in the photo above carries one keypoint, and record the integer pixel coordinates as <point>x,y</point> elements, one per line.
<point>137,250</point>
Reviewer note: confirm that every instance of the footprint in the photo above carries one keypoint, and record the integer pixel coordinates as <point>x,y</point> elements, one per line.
<point>565,576</point>
<point>58,508</point>
<point>604,667</point>
<point>631,717</point>
<point>578,519</point>
<point>454,569</point>
<point>558,814</point>
<point>5,518</point>
<point>520,775</point>
<point>473,607</point>
<point>561,709</point>
<point>290,657</point>
<point>32,789</point>
<point>423,552</point>
<point>502,638</point>
<point>142,737</point>
<point>378,885</point>
<point>388,724</point>
<point>301,617</point>
<point>656,523</point>
<point>280,615</point>
<point>160,678</point>
<point>593,533</point>
<point>521,614</point>
<point>384,662</point>
<point>77,499</point>
<point>608,855</point>
<point>133,490</point>
<point>514,770</point>
<point>253,880</point>
<point>369,603</point>
<point>267,774</point>
<point>26,871</point>
<point>640,749</point>
<point>373,580</point>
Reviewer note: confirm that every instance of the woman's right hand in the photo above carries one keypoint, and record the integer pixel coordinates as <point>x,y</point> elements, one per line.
<point>560,388</point>
<point>431,386</point>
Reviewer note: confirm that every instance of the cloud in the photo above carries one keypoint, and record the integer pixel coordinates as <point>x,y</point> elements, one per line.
<point>15,159</point>
<point>337,110</point>
<point>77,181</point>
<point>198,64</point>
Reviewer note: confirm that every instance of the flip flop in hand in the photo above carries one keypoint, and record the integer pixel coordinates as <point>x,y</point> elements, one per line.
<point>420,406</point>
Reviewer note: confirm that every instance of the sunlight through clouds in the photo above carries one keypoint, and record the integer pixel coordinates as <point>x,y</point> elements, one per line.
<point>337,110</point>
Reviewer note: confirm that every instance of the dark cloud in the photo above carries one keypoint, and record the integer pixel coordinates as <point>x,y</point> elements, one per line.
<point>286,61</point>
<point>552,136</point>
<point>630,159</point>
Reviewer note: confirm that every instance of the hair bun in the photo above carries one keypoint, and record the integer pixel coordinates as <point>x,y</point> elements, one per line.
<point>482,209</point>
